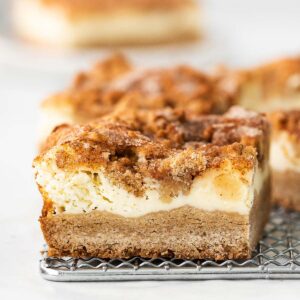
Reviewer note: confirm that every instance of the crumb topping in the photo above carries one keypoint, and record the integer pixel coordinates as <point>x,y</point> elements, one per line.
<point>114,84</point>
<point>87,97</point>
<point>288,121</point>
<point>178,87</point>
<point>102,73</point>
<point>165,145</point>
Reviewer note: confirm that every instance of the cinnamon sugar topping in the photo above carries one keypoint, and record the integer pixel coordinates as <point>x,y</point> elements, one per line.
<point>114,84</point>
<point>165,145</point>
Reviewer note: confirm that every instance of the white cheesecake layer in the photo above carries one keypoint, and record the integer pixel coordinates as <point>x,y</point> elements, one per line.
<point>283,156</point>
<point>224,189</point>
<point>53,26</point>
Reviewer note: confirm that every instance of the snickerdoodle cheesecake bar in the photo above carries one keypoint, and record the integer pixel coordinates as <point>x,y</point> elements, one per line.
<point>116,84</point>
<point>157,183</point>
<point>73,23</point>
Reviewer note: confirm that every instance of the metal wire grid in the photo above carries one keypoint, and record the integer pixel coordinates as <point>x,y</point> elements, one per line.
<point>277,256</point>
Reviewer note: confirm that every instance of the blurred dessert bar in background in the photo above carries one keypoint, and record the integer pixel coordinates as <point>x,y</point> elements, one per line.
<point>285,158</point>
<point>156,183</point>
<point>275,88</point>
<point>101,22</point>
<point>271,86</point>
<point>115,84</point>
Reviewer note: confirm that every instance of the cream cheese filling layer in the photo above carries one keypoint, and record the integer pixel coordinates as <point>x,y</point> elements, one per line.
<point>283,156</point>
<point>223,189</point>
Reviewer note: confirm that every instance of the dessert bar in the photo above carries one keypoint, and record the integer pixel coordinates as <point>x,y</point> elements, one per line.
<point>71,23</point>
<point>156,183</point>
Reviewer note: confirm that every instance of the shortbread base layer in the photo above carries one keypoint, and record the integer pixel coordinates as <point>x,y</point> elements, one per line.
<point>286,189</point>
<point>185,232</point>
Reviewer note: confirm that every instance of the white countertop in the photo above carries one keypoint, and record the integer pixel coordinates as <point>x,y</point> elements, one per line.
<point>250,31</point>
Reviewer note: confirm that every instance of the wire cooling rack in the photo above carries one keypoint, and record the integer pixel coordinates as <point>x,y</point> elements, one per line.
<point>277,257</point>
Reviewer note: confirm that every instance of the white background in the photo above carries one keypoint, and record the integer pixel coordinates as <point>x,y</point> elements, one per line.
<point>244,32</point>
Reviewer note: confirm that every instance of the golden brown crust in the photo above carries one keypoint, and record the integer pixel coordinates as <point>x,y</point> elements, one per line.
<point>183,233</point>
<point>81,7</point>
<point>164,145</point>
